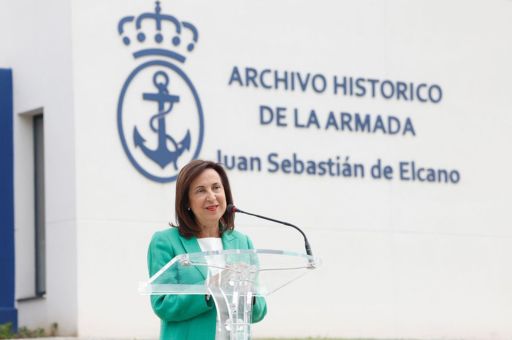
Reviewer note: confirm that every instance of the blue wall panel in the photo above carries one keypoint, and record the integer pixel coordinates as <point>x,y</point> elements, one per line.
<point>8,312</point>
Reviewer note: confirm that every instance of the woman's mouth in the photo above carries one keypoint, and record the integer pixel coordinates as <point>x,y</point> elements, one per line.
<point>212,207</point>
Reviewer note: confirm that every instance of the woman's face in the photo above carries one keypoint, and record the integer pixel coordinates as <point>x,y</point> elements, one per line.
<point>207,198</point>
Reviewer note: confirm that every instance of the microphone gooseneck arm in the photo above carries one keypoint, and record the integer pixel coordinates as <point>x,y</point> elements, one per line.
<point>233,209</point>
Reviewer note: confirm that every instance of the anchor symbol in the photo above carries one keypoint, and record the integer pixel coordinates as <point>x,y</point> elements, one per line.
<point>162,155</point>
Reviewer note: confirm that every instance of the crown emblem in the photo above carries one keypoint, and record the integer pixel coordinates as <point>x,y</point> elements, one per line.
<point>158,34</point>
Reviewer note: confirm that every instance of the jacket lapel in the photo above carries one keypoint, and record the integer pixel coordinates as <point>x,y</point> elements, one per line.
<point>192,246</point>
<point>228,240</point>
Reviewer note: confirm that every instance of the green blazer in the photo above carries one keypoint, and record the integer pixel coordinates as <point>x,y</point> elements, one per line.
<point>190,317</point>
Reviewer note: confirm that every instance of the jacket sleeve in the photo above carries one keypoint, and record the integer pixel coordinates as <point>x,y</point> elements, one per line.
<point>171,307</point>
<point>259,309</point>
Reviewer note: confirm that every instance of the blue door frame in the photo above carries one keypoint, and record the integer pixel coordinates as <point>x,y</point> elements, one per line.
<point>8,312</point>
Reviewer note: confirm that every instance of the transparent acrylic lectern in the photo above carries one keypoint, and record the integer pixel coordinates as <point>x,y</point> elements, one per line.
<point>232,278</point>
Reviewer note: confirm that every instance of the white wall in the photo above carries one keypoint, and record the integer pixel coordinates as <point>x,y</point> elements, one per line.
<point>401,259</point>
<point>35,41</point>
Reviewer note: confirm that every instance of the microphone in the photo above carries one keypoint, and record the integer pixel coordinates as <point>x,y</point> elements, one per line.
<point>232,209</point>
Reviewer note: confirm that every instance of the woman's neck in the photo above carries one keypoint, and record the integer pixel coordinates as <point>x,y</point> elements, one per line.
<point>211,231</point>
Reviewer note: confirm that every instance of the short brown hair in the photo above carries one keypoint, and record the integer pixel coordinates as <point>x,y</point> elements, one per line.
<point>185,219</point>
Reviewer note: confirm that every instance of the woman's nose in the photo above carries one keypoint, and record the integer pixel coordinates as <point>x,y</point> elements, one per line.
<point>211,196</point>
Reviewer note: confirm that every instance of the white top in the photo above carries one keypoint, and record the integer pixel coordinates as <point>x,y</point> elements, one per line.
<point>210,243</point>
<point>213,244</point>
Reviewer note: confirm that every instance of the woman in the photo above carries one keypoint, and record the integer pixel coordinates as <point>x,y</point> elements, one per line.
<point>202,195</point>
